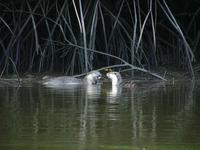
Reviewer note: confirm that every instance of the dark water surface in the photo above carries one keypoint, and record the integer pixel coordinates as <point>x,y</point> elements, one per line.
<point>158,116</point>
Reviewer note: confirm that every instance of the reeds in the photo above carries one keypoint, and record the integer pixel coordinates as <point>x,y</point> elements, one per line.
<point>79,36</point>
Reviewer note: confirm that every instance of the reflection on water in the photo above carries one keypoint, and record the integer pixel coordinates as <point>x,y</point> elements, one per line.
<point>114,94</point>
<point>152,116</point>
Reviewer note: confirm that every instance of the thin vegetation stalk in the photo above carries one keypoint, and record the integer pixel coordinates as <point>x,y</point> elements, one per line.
<point>55,36</point>
<point>187,48</point>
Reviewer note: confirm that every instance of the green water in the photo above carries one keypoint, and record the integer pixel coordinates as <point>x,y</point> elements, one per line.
<point>158,116</point>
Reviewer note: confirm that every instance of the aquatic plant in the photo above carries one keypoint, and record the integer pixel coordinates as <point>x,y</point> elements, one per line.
<point>79,36</point>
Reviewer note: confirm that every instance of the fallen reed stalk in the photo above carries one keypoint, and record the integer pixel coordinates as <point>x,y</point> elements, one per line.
<point>125,63</point>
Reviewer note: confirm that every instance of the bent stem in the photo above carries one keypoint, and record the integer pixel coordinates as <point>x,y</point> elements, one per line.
<point>125,62</point>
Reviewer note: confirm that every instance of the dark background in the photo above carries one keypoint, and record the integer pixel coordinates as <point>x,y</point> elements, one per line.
<point>24,55</point>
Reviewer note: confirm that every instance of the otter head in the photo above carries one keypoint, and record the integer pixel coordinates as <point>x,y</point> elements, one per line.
<point>115,77</point>
<point>93,77</point>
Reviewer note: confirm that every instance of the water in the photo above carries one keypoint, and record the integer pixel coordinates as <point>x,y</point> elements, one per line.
<point>156,116</point>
